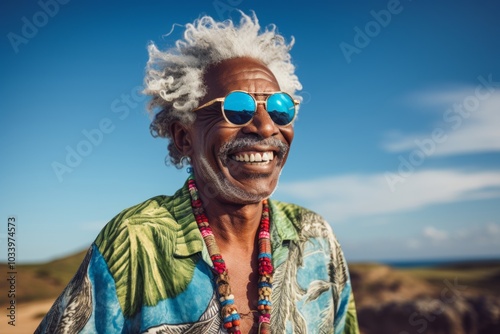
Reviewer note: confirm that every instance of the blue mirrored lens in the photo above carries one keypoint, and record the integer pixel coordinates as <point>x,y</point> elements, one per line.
<point>239,107</point>
<point>281,108</point>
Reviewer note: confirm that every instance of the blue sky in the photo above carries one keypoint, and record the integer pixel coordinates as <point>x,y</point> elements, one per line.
<point>397,142</point>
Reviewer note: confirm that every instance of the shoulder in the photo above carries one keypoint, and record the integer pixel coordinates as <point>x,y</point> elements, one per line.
<point>301,218</point>
<point>161,221</point>
<point>139,216</point>
<point>143,244</point>
<point>308,226</point>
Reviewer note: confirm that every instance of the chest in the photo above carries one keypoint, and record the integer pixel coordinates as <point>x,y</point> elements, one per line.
<point>243,275</point>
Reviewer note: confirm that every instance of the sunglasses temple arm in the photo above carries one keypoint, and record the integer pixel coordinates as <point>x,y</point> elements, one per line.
<point>220,99</point>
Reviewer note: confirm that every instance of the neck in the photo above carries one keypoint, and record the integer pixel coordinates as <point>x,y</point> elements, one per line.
<point>233,224</point>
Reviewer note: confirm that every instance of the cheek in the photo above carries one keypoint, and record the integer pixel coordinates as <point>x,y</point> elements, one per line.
<point>210,142</point>
<point>288,134</point>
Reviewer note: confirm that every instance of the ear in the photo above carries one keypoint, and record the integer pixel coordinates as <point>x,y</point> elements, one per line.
<point>181,136</point>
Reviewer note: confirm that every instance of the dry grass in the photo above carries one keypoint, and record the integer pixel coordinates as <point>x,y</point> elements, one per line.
<point>374,283</point>
<point>481,277</point>
<point>42,281</point>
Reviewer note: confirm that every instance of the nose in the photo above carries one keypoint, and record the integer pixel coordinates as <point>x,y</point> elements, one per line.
<point>261,124</point>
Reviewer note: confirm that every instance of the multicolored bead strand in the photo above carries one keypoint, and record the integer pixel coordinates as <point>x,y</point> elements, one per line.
<point>229,313</point>
<point>265,284</point>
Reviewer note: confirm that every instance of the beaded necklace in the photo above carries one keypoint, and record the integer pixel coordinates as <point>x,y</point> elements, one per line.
<point>229,313</point>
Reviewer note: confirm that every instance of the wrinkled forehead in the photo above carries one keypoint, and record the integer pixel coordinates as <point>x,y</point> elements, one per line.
<point>246,74</point>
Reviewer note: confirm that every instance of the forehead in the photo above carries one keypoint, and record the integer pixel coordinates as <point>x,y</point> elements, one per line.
<point>239,74</point>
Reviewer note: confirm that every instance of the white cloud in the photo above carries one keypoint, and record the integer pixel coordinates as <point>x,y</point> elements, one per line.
<point>439,241</point>
<point>341,197</point>
<point>435,234</point>
<point>493,228</point>
<point>475,236</point>
<point>469,123</point>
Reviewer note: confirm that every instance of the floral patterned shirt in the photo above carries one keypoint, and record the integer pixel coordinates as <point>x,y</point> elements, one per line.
<point>149,271</point>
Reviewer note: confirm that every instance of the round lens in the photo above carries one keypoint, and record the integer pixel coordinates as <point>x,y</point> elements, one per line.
<point>281,108</point>
<point>239,107</point>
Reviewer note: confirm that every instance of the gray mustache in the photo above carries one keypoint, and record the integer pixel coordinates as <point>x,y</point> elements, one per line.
<point>245,143</point>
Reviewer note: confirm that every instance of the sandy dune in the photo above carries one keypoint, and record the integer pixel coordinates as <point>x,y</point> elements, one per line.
<point>28,316</point>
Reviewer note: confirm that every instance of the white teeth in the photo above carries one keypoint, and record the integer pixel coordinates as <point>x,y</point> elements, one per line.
<point>254,157</point>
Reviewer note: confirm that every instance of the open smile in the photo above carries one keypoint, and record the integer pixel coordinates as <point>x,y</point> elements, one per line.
<point>253,152</point>
<point>253,157</point>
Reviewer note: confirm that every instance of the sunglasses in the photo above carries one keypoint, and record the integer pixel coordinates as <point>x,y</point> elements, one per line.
<point>239,107</point>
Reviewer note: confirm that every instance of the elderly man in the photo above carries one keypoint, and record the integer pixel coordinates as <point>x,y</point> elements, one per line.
<point>218,256</point>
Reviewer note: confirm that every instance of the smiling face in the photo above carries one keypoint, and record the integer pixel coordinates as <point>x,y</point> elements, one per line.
<point>237,164</point>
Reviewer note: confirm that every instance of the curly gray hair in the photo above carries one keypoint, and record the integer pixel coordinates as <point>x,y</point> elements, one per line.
<point>174,78</point>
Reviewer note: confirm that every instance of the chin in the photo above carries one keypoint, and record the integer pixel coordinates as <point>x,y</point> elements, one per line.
<point>222,185</point>
<point>235,192</point>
